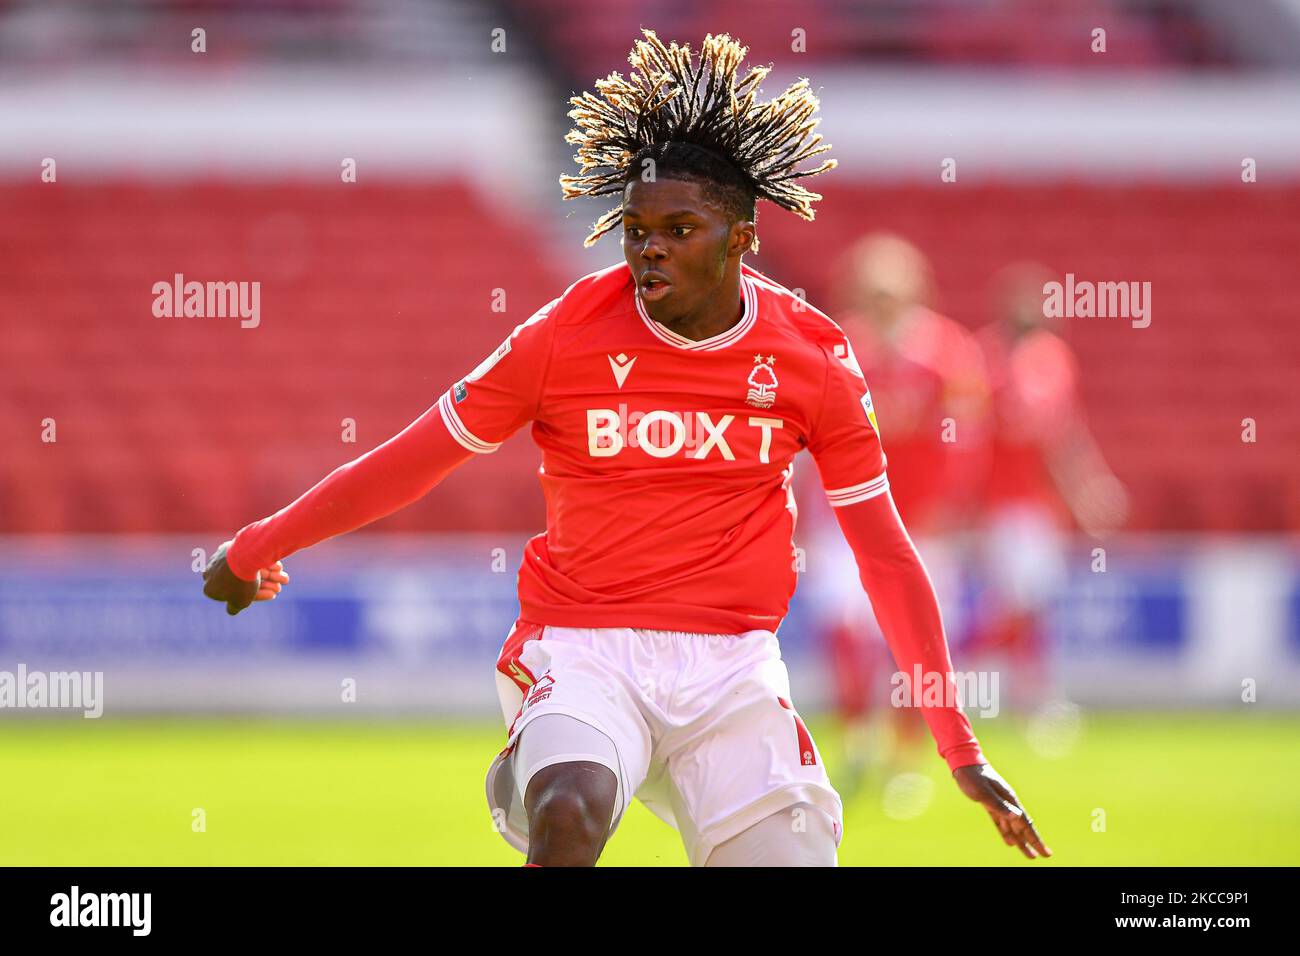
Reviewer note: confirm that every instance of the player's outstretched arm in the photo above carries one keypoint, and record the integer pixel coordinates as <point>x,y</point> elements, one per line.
<point>475,416</point>
<point>907,610</point>
<point>385,479</point>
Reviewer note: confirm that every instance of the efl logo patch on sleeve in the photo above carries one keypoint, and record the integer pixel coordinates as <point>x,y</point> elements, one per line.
<point>459,391</point>
<point>870,409</point>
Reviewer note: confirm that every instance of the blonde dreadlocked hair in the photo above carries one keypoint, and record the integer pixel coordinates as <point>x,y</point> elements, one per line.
<point>696,122</point>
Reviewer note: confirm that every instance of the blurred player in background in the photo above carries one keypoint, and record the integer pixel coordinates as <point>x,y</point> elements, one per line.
<point>931,401</point>
<point>669,395</point>
<point>1047,476</point>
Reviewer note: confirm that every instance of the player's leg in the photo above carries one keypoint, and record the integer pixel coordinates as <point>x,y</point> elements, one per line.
<point>738,752</point>
<point>799,835</point>
<point>577,746</point>
<point>567,773</point>
<point>857,669</point>
<point>848,631</point>
<point>1026,575</point>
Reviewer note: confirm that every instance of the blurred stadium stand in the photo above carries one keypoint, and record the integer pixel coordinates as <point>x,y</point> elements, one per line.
<point>377,298</point>
<point>1166,401</point>
<point>583,37</point>
<point>381,295</point>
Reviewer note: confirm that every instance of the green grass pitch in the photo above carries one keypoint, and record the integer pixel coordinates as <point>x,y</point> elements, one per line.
<point>1195,789</point>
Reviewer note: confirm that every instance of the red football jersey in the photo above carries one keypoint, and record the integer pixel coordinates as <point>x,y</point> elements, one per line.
<point>1035,397</point>
<point>667,462</point>
<point>931,373</point>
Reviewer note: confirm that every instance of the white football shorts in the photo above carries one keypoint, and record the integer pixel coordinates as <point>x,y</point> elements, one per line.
<point>702,726</point>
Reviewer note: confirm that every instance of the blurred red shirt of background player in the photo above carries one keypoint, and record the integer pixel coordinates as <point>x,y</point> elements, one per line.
<point>927,379</point>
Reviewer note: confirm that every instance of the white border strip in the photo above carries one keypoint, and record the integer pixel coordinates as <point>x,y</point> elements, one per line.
<point>265,121</point>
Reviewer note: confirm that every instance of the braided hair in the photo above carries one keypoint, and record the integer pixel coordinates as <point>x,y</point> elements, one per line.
<point>695,122</point>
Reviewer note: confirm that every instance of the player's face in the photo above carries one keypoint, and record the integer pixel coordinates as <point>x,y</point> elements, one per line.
<point>678,245</point>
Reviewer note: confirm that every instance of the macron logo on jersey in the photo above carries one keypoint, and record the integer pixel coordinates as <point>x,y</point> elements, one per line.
<point>620,367</point>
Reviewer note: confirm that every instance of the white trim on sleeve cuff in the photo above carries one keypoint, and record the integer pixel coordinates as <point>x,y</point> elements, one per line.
<point>458,430</point>
<point>839,497</point>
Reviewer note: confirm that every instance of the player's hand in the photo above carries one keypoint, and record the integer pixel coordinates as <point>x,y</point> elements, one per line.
<point>271,580</point>
<point>982,784</point>
<point>221,584</point>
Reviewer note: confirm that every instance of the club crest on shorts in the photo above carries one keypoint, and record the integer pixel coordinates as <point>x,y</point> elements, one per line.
<point>762,382</point>
<point>540,691</point>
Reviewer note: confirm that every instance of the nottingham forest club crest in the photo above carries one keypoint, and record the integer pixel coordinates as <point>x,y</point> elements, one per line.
<point>762,382</point>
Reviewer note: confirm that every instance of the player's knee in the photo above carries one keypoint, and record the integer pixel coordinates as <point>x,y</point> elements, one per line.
<point>569,806</point>
<point>799,835</point>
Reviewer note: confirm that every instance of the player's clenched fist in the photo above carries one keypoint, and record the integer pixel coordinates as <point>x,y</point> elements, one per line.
<point>221,584</point>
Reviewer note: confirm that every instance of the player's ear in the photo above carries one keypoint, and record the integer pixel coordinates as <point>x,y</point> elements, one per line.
<point>742,237</point>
